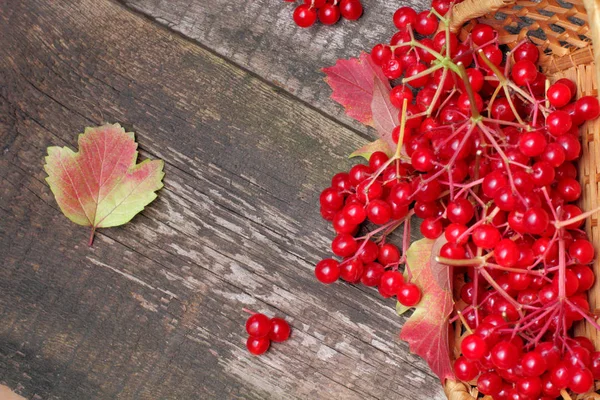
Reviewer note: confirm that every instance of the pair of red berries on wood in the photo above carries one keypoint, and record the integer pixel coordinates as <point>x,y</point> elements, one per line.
<point>327,12</point>
<point>263,330</point>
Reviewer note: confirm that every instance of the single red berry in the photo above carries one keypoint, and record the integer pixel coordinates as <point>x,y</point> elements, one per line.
<point>532,144</point>
<point>505,355</point>
<point>344,245</point>
<point>581,251</point>
<point>399,94</point>
<point>486,236</point>
<point>258,325</point>
<point>489,383</point>
<point>327,271</point>
<point>409,294</point>
<point>258,346</point>
<point>280,330</point>
<point>372,274</point>
<point>379,212</point>
<point>380,54</point>
<point>581,381</point>
<point>558,122</point>
<point>559,95</point>
<point>426,23</point>
<point>405,16</point>
<point>524,72</point>
<point>527,51</point>
<point>473,347</point>
<point>351,271</point>
<point>587,108</point>
<point>465,370</point>
<point>460,211</point>
<point>388,254</point>
<point>431,228</point>
<point>305,16</point>
<point>533,364</point>
<point>482,34</point>
<point>351,9</point>
<point>390,283</point>
<point>329,14</point>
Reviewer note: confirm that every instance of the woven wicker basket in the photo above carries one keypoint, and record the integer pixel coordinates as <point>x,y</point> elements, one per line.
<point>568,35</point>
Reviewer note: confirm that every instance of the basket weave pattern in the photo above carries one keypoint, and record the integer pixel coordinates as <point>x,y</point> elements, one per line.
<point>568,36</point>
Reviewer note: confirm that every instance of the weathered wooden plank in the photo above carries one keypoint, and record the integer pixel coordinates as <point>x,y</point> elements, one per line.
<point>261,36</point>
<point>153,310</point>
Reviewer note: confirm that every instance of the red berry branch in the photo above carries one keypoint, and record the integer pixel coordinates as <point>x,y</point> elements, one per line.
<point>485,156</point>
<point>328,12</point>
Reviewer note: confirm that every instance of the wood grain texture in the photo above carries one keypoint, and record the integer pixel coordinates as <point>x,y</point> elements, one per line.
<point>154,309</point>
<point>260,35</point>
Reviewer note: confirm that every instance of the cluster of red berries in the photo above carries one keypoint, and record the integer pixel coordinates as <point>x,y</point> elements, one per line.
<point>486,158</point>
<point>327,11</point>
<point>263,330</point>
<point>355,198</point>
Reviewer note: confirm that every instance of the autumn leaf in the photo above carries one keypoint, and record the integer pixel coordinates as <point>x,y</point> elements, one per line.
<point>352,83</point>
<point>385,115</point>
<point>372,147</point>
<point>101,185</point>
<point>427,329</point>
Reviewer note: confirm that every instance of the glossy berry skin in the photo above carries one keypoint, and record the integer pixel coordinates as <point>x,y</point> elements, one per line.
<point>530,387</point>
<point>258,325</point>
<point>390,283</point>
<point>327,271</point>
<point>486,236</point>
<point>559,95</point>
<point>581,251</point>
<point>409,294</point>
<point>351,9</point>
<point>431,228</point>
<point>305,16</point>
<point>351,271</point>
<point>558,122</point>
<point>587,108</point>
<point>280,330</point>
<point>426,23</point>
<point>405,16</point>
<point>381,53</point>
<point>473,347</point>
<point>258,346</point>
<point>532,144</point>
<point>506,253</point>
<point>524,72</point>
<point>505,355</point>
<point>581,380</point>
<point>527,51</point>
<point>482,34</point>
<point>388,254</point>
<point>533,364</point>
<point>372,273</point>
<point>460,211</point>
<point>465,370</point>
<point>344,245</point>
<point>379,212</point>
<point>560,375</point>
<point>399,94</point>
<point>329,14</point>
<point>489,383</point>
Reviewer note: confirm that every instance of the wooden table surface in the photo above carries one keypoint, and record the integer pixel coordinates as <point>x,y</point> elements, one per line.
<point>230,95</point>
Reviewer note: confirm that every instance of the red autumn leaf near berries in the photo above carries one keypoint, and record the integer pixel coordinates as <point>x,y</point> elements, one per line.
<point>385,115</point>
<point>352,82</point>
<point>426,331</point>
<point>101,185</point>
